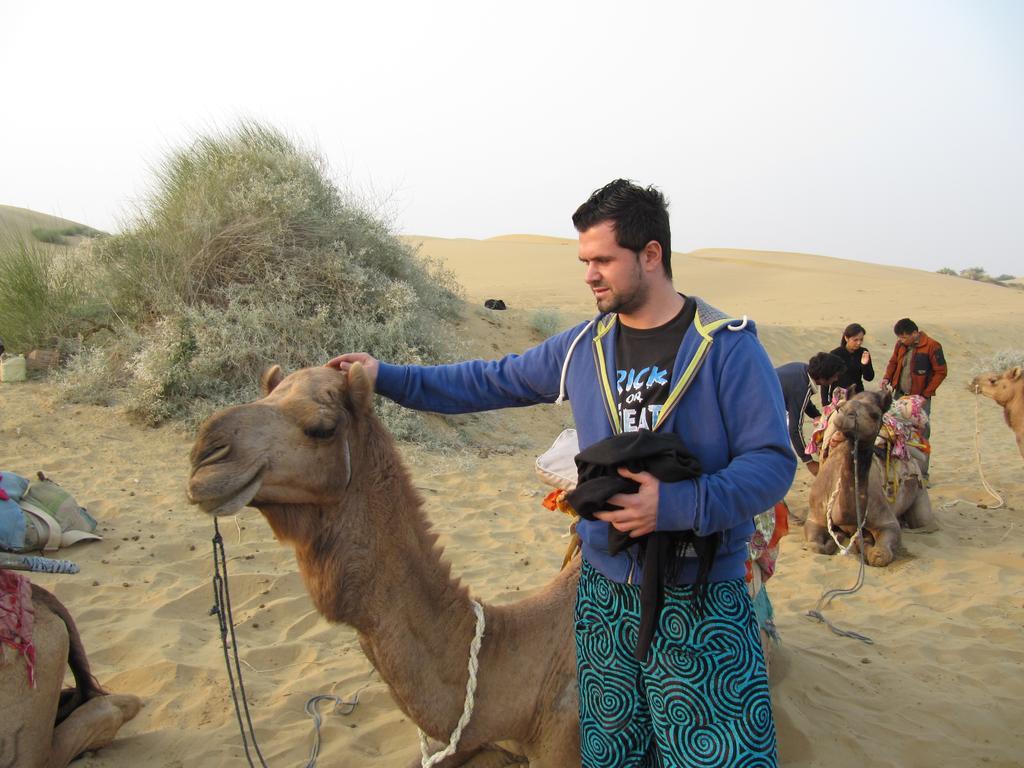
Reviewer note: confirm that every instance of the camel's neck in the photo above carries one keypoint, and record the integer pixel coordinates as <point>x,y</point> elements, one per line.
<point>372,563</point>
<point>1013,409</point>
<point>846,508</point>
<point>858,455</point>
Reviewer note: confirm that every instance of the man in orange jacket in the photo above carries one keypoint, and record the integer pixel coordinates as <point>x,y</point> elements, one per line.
<point>917,367</point>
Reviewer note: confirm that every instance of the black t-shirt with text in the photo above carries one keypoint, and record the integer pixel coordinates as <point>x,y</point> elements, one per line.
<point>644,359</point>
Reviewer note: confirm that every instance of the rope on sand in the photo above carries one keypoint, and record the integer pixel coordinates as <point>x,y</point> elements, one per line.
<point>229,644</point>
<point>36,564</point>
<point>467,711</point>
<point>977,457</point>
<point>313,710</point>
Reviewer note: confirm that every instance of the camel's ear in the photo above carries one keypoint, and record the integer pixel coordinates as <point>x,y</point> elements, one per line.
<point>1015,373</point>
<point>360,390</point>
<point>270,379</point>
<point>884,401</point>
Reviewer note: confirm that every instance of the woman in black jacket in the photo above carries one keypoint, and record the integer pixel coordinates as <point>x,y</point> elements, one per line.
<point>857,359</point>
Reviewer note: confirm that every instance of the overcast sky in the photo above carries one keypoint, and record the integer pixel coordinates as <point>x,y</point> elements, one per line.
<point>883,131</point>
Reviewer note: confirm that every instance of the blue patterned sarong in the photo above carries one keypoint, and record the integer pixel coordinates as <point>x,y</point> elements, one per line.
<point>700,698</point>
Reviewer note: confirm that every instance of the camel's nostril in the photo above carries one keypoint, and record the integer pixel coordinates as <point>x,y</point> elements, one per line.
<point>213,455</point>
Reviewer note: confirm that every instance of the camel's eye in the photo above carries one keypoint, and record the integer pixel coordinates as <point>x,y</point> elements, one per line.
<point>321,431</point>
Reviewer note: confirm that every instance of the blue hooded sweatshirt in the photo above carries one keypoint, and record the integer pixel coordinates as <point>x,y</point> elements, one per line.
<point>725,403</point>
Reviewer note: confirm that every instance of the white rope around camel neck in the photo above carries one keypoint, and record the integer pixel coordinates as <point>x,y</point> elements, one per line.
<point>828,521</point>
<point>430,760</point>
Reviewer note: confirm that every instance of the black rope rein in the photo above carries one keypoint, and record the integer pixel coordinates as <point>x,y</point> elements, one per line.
<point>222,609</point>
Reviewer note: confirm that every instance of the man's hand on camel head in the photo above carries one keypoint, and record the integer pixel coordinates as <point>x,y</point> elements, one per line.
<point>370,364</point>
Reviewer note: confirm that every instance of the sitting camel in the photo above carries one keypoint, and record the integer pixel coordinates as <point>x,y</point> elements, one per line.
<point>43,725</point>
<point>323,471</point>
<point>1007,389</point>
<point>832,518</point>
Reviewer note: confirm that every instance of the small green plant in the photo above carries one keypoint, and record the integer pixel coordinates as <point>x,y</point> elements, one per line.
<point>57,235</point>
<point>47,235</point>
<point>546,321</point>
<point>948,271</point>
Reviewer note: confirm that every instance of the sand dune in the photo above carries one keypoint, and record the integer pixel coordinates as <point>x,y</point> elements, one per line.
<point>943,682</point>
<point>20,222</point>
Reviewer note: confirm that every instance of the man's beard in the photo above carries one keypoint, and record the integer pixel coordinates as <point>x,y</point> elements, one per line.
<point>625,303</point>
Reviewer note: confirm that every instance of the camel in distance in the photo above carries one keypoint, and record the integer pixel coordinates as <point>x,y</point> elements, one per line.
<point>1007,389</point>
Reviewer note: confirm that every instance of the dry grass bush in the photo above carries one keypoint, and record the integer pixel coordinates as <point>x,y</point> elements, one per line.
<point>546,321</point>
<point>247,254</point>
<point>46,295</point>
<point>1008,358</point>
<point>88,378</point>
<point>58,235</point>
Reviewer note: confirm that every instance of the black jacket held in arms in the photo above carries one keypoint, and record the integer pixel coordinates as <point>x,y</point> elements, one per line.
<point>665,457</point>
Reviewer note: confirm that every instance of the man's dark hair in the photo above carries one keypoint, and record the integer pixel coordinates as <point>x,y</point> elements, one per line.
<point>639,214</point>
<point>906,325</point>
<point>824,365</point>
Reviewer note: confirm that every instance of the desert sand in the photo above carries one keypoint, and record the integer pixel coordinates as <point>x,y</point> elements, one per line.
<point>943,682</point>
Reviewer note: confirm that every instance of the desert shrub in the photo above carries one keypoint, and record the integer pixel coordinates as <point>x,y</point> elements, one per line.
<point>546,321</point>
<point>1003,278</point>
<point>88,380</point>
<point>45,295</point>
<point>1008,358</point>
<point>974,273</point>
<point>947,271</point>
<point>247,254</point>
<point>56,235</point>
<point>48,235</point>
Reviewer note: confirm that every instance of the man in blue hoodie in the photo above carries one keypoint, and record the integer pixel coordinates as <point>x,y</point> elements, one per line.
<point>652,359</point>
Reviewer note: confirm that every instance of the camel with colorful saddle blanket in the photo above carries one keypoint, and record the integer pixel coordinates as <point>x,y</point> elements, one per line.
<point>870,483</point>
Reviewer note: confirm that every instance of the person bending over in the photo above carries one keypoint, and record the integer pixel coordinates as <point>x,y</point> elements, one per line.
<point>799,382</point>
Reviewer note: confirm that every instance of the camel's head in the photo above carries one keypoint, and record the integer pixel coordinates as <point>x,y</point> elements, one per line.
<point>860,417</point>
<point>999,386</point>
<point>293,446</point>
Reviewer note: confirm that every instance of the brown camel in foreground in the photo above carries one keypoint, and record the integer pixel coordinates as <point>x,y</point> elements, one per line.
<point>45,727</point>
<point>1007,389</point>
<point>315,460</point>
<point>832,495</point>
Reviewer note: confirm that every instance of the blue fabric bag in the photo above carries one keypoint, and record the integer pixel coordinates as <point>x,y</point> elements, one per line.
<point>12,519</point>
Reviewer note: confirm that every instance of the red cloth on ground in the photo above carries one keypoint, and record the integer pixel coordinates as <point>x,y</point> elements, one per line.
<point>17,618</point>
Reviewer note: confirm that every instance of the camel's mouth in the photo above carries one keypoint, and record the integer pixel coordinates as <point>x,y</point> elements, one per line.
<point>231,503</point>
